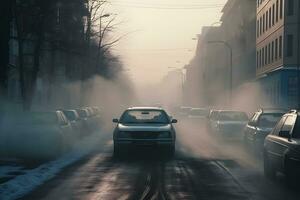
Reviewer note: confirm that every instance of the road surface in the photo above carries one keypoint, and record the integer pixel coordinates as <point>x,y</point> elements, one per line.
<point>201,169</point>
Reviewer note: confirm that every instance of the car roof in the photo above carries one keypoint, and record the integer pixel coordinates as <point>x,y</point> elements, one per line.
<point>145,108</point>
<point>273,110</point>
<point>231,111</point>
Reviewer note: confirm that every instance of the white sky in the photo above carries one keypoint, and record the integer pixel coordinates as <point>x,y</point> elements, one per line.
<point>160,38</point>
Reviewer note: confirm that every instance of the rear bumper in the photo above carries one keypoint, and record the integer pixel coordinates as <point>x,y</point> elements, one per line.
<point>144,142</point>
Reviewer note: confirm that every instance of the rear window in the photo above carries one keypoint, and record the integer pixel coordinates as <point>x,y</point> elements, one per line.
<point>269,120</point>
<point>71,115</point>
<point>232,116</point>
<point>145,116</point>
<point>82,113</point>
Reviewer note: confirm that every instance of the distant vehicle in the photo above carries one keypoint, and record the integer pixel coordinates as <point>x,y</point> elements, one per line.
<point>184,111</point>
<point>282,148</point>
<point>144,127</point>
<point>198,113</point>
<point>229,124</point>
<point>212,120</point>
<point>75,121</point>
<point>259,126</point>
<point>86,121</point>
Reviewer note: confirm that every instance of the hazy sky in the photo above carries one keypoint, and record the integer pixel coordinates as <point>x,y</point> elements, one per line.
<point>160,35</point>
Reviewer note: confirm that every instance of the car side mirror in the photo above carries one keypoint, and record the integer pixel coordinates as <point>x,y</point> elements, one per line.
<point>173,121</point>
<point>115,121</point>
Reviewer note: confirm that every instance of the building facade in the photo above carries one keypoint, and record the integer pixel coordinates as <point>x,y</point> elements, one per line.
<point>277,51</point>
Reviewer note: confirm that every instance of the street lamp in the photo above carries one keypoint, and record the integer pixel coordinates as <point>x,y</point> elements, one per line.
<point>230,69</point>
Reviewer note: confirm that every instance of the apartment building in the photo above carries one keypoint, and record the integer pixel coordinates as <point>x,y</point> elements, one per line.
<point>277,51</point>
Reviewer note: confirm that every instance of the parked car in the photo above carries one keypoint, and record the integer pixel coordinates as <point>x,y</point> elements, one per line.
<point>229,124</point>
<point>259,126</point>
<point>86,121</point>
<point>75,121</point>
<point>212,120</point>
<point>37,135</point>
<point>282,148</point>
<point>198,113</point>
<point>144,127</point>
<point>184,111</point>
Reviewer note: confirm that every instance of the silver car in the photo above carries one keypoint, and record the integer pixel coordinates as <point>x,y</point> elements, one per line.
<point>144,127</point>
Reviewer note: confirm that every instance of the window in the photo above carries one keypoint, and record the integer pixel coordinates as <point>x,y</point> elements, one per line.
<point>276,49</point>
<point>260,26</point>
<point>277,5</point>
<point>257,59</point>
<point>269,53</point>
<point>263,57</point>
<point>266,55</point>
<point>290,45</point>
<point>270,18</point>
<point>287,126</point>
<point>264,23</point>
<point>260,61</point>
<point>272,52</point>
<point>278,126</point>
<point>273,14</point>
<point>267,19</point>
<point>280,47</point>
<point>257,28</point>
<point>290,8</point>
<point>281,9</point>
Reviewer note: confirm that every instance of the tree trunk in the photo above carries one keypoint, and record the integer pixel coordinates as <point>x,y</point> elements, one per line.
<point>5,19</point>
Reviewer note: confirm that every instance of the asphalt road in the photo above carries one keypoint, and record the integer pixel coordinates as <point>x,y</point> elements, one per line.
<point>202,168</point>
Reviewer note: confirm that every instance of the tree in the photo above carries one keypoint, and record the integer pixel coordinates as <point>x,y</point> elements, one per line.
<point>5,19</point>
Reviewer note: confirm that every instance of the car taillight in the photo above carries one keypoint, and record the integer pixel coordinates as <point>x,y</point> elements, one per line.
<point>164,135</point>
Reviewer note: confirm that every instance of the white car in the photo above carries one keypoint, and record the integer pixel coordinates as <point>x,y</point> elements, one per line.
<point>144,127</point>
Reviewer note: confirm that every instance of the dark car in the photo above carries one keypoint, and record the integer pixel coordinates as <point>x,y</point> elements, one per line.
<point>144,127</point>
<point>259,126</point>
<point>76,122</point>
<point>229,124</point>
<point>282,148</point>
<point>86,121</point>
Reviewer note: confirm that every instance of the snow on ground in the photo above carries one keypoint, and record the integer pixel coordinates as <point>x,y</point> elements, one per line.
<point>23,184</point>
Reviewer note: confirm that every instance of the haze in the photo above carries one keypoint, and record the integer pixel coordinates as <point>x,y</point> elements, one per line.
<point>160,37</point>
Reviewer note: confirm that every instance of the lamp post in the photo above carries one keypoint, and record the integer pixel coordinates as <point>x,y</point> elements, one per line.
<point>230,65</point>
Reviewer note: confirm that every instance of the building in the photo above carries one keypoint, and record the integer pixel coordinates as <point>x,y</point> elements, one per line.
<point>212,60</point>
<point>277,51</point>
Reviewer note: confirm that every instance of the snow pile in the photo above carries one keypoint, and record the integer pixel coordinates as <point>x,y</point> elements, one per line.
<point>23,184</point>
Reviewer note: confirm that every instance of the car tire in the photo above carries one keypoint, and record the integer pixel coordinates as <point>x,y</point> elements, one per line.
<point>171,151</point>
<point>269,170</point>
<point>117,151</point>
<point>290,173</point>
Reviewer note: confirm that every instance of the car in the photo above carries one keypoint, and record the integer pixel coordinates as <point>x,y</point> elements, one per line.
<point>282,148</point>
<point>211,120</point>
<point>259,126</point>
<point>86,121</point>
<point>75,121</point>
<point>144,127</point>
<point>198,113</point>
<point>184,111</point>
<point>229,124</point>
<point>38,135</point>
